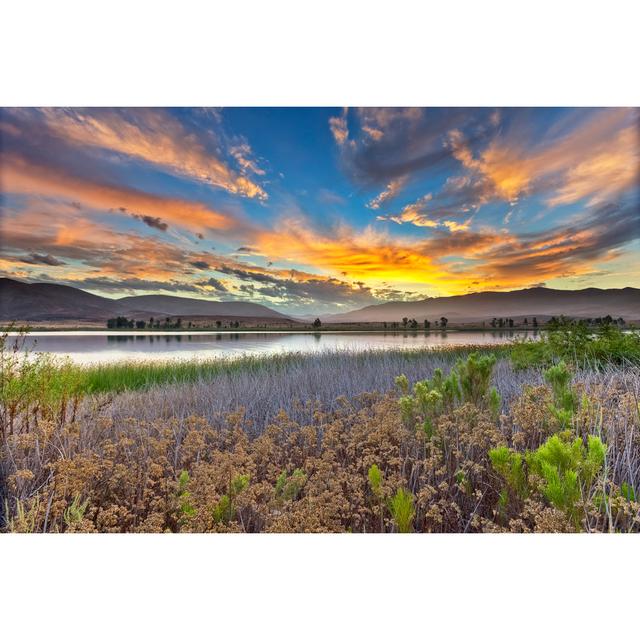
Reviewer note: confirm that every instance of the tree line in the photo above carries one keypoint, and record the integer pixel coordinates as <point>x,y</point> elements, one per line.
<point>121,322</point>
<point>412,323</point>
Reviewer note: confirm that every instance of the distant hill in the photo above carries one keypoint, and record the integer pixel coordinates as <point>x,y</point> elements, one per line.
<point>48,302</point>
<point>54,302</point>
<point>175,306</point>
<point>477,307</point>
<point>22,301</point>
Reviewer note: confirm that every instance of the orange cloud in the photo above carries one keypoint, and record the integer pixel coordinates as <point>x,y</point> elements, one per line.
<point>338,261</point>
<point>367,255</point>
<point>454,226</point>
<point>338,127</point>
<point>418,214</point>
<point>19,176</point>
<point>392,190</point>
<point>153,136</point>
<point>598,160</point>
<point>609,170</point>
<point>455,261</point>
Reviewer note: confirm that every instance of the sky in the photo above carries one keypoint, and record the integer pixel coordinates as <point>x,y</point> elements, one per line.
<point>320,210</point>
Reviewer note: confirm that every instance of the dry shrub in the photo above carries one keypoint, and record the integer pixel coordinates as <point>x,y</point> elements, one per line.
<point>97,473</point>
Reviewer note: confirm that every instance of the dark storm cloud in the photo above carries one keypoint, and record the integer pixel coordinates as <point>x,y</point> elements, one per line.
<point>152,221</point>
<point>561,251</point>
<point>391,143</point>
<point>302,288</point>
<point>199,264</point>
<point>110,285</point>
<point>212,282</point>
<point>243,274</point>
<point>39,258</point>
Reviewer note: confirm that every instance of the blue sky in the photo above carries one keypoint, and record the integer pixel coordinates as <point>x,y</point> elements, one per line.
<point>314,210</point>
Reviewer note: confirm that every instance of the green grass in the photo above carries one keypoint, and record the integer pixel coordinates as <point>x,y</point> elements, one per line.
<point>131,376</point>
<point>573,343</point>
<point>140,374</point>
<point>579,345</point>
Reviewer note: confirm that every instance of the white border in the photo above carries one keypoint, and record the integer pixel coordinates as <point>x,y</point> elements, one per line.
<point>322,586</point>
<point>287,52</point>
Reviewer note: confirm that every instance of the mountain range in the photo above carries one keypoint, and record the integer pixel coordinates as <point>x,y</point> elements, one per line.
<point>47,302</point>
<point>21,301</point>
<point>475,307</point>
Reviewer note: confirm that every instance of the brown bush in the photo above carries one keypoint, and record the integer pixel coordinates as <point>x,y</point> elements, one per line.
<point>168,475</point>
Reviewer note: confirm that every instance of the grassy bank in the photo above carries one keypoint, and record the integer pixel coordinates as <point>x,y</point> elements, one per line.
<point>137,375</point>
<point>131,375</point>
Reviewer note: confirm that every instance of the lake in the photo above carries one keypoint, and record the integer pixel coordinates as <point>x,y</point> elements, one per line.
<point>89,347</point>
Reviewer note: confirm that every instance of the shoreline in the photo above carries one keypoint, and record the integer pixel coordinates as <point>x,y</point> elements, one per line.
<point>92,330</point>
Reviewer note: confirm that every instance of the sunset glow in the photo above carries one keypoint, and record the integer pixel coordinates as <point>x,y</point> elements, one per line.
<point>319,210</point>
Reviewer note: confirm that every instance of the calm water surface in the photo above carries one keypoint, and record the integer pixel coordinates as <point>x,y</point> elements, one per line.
<point>88,347</point>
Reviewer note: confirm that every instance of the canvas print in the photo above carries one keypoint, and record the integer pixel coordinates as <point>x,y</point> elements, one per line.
<point>364,320</point>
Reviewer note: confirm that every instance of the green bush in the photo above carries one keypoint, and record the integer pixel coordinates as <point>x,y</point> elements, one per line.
<point>495,402</point>
<point>185,506</point>
<point>35,386</point>
<point>74,513</point>
<point>402,382</point>
<point>289,487</point>
<point>402,510</point>
<point>225,511</point>
<point>565,400</point>
<point>468,381</point>
<point>509,464</point>
<point>563,470</point>
<point>474,375</point>
<point>579,344</point>
<point>568,470</point>
<point>374,476</point>
<point>627,492</point>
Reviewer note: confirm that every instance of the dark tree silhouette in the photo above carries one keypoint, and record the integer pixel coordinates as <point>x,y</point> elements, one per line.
<point>120,323</point>
<point>444,322</point>
<point>317,323</point>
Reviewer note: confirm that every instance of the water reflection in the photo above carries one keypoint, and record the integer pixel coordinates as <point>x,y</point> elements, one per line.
<point>91,347</point>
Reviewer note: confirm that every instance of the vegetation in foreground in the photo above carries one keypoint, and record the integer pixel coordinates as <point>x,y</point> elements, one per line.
<point>581,344</point>
<point>446,453</point>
